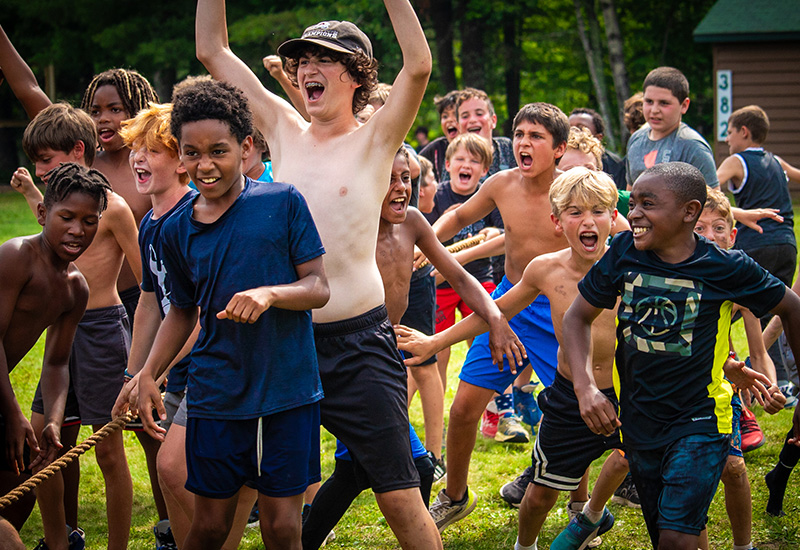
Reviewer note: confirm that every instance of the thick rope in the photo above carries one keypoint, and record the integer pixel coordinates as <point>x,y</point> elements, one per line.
<point>460,245</point>
<point>17,493</point>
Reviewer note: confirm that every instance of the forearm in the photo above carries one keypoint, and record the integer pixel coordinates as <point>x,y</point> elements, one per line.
<point>447,226</point>
<point>20,78</point>
<point>294,94</point>
<point>310,292</point>
<point>759,358</point>
<point>9,407</point>
<point>576,346</point>
<point>55,385</point>
<point>410,37</point>
<point>772,331</point>
<point>146,323</point>
<point>486,249</point>
<point>171,337</point>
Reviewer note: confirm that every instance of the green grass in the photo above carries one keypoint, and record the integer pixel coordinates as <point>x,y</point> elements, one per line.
<point>492,525</point>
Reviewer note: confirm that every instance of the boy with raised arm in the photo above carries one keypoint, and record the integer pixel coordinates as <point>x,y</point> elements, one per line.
<point>341,167</point>
<point>677,293</point>
<point>43,289</point>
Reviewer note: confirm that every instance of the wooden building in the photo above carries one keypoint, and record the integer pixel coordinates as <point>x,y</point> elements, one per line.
<point>756,49</point>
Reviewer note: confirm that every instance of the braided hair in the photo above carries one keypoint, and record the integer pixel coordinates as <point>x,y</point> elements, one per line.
<point>70,177</point>
<point>134,90</point>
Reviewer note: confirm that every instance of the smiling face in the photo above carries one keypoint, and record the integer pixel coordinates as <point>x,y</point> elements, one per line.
<point>449,122</point>
<point>662,111</point>
<point>466,171</point>
<point>395,203</point>
<point>326,85</point>
<point>213,158</point>
<point>475,116</point>
<point>108,112</point>
<point>586,228</point>
<point>156,170</point>
<point>533,149</point>
<point>70,225</point>
<point>713,226</point>
<point>656,216</point>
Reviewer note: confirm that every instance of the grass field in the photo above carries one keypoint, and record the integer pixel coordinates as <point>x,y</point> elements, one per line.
<point>493,525</point>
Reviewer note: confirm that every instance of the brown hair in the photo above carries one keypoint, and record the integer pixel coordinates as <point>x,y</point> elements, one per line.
<point>473,93</point>
<point>59,127</point>
<point>551,117</point>
<point>671,79</point>
<point>634,112</point>
<point>716,201</point>
<point>475,146</point>
<point>754,118</point>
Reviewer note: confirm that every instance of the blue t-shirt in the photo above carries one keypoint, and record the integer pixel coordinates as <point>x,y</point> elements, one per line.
<point>155,278</point>
<point>672,334</point>
<point>764,185</point>
<point>241,370</point>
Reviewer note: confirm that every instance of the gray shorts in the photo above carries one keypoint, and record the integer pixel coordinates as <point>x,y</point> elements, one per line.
<point>174,403</point>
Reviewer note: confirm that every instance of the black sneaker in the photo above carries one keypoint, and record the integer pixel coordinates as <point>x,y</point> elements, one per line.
<point>513,491</point>
<point>439,467</point>
<point>164,538</point>
<point>626,494</point>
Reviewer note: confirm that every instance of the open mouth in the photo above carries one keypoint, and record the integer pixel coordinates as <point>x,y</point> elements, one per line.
<point>398,205</point>
<point>73,247</point>
<point>639,231</point>
<point>474,129</point>
<point>208,181</point>
<point>452,132</point>
<point>106,134</point>
<point>314,90</point>
<point>525,160</point>
<point>142,175</point>
<point>589,240</point>
<point>464,177</point>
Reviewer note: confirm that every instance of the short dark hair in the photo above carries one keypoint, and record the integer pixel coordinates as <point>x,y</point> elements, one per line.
<point>362,68</point>
<point>205,99</point>
<point>754,118</point>
<point>446,101</point>
<point>474,93</point>
<point>70,177</point>
<point>134,90</point>
<point>683,179</point>
<point>404,153</point>
<point>597,120</point>
<point>551,117</point>
<point>59,127</point>
<point>671,79</point>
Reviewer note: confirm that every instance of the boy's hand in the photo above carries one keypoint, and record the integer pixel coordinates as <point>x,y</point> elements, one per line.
<point>274,65</point>
<point>503,342</point>
<point>21,181</point>
<point>247,306</point>
<point>149,399</point>
<point>127,398</point>
<point>746,379</point>
<point>51,444</point>
<point>414,342</point>
<point>18,431</point>
<point>751,217</point>
<point>776,400</point>
<point>598,413</point>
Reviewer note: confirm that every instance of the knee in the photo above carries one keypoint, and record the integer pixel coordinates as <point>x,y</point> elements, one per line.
<point>111,454</point>
<point>280,531</point>
<point>171,471</point>
<point>461,411</point>
<point>735,470</point>
<point>538,500</point>
<point>673,540</point>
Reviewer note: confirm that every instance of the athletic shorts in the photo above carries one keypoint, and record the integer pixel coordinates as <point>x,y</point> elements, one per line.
<point>566,446</point>
<point>130,300</point>
<point>98,361</point>
<point>677,482</point>
<point>447,301</point>
<point>534,327</point>
<point>173,401</point>
<point>365,387</point>
<point>72,416</point>
<point>223,455</point>
<point>421,311</point>
<point>736,432</point>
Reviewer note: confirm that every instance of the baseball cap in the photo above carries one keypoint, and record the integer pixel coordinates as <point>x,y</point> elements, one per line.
<point>339,36</point>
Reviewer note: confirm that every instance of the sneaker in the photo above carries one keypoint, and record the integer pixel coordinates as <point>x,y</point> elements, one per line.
<point>580,532</point>
<point>252,519</point>
<point>790,391</point>
<point>513,491</point>
<point>164,538</point>
<point>626,494</point>
<point>525,405</point>
<point>489,422</point>
<point>573,509</point>
<point>752,436</point>
<point>509,430</point>
<point>446,512</point>
<point>76,540</point>
<point>439,467</point>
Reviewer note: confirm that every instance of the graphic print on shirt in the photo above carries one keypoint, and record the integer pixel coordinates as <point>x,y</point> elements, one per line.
<point>157,268</point>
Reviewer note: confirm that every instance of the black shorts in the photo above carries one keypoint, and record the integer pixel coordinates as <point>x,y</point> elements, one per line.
<point>130,300</point>
<point>779,259</point>
<point>566,446</point>
<point>421,311</point>
<point>72,415</point>
<point>365,397</point>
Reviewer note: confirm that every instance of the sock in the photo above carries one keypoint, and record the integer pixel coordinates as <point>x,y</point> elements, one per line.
<point>591,515</point>
<point>505,404</point>
<point>747,546</point>
<point>518,546</point>
<point>776,480</point>
<point>576,505</point>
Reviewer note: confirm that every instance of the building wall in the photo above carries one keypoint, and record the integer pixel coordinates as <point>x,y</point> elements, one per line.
<point>766,74</point>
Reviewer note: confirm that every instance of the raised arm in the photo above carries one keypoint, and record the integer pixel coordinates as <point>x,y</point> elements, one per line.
<point>393,121</point>
<point>274,67</point>
<point>576,333</point>
<point>21,78</point>
<point>213,51</point>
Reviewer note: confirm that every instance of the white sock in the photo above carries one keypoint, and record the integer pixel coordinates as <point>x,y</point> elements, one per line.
<point>747,546</point>
<point>518,546</point>
<point>590,514</point>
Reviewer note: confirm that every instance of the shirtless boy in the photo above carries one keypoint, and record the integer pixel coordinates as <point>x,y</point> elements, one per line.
<point>62,133</point>
<point>341,168</point>
<point>42,289</point>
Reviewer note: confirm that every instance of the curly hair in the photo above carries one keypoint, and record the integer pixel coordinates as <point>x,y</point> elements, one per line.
<point>134,90</point>
<point>581,139</point>
<point>634,112</point>
<point>204,99</point>
<point>70,177</point>
<point>361,68</point>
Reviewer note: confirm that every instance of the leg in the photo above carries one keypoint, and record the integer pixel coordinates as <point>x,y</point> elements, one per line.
<point>738,503</point>
<point>614,471</point>
<point>151,447</point>
<point>778,477</point>
<point>443,358</point>
<point>9,538</point>
<point>533,510</point>
<point>280,521</point>
<point>674,540</point>
<point>71,475</point>
<point>172,478</point>
<point>409,519</point>
<point>465,413</point>
<point>50,496</point>
<point>16,514</point>
<point>412,386</point>
<point>211,523</point>
<point>581,494</point>
<point>244,504</point>
<point>119,488</point>
<point>432,397</point>
<point>330,504</point>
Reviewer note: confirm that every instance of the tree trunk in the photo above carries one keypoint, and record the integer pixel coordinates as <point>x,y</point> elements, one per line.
<point>594,59</point>
<point>442,19</point>
<point>473,50</point>
<point>616,58</point>
<point>511,48</point>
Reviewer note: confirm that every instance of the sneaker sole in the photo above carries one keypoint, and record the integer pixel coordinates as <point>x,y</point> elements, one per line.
<point>515,438</point>
<point>754,447</point>
<point>622,501</point>
<point>461,515</point>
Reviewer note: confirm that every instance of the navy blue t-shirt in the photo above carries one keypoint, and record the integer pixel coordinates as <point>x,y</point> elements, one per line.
<point>241,370</point>
<point>672,334</point>
<point>155,278</point>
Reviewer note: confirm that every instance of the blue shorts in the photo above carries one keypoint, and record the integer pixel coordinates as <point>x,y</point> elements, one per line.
<point>534,327</point>
<point>222,455</point>
<point>677,483</point>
